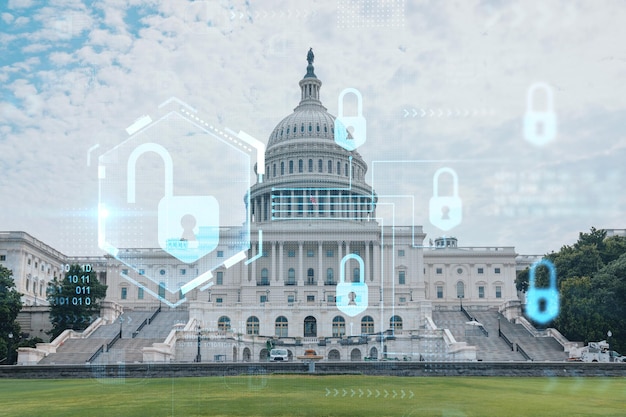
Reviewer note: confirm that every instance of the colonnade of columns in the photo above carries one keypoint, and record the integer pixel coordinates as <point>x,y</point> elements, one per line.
<point>286,204</point>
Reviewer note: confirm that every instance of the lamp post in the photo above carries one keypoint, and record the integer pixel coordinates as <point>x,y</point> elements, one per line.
<point>461,301</point>
<point>499,332</point>
<point>198,356</point>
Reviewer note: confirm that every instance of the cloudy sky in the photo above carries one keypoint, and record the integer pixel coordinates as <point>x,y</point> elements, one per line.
<point>444,84</point>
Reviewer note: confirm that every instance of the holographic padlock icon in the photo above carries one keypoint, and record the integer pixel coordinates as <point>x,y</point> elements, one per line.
<point>540,126</point>
<point>188,226</point>
<point>351,297</point>
<point>350,131</point>
<point>542,304</point>
<point>445,212</point>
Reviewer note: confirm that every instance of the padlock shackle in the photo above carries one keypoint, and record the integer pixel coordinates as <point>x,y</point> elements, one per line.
<point>530,96</point>
<point>455,181</point>
<point>551,270</point>
<point>359,101</point>
<point>132,163</point>
<point>342,267</point>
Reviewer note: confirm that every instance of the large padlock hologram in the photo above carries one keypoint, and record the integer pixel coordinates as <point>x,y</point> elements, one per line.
<point>542,304</point>
<point>350,131</point>
<point>445,212</point>
<point>188,226</point>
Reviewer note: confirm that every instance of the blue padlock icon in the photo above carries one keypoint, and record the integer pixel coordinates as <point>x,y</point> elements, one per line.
<point>350,131</point>
<point>445,212</point>
<point>188,226</point>
<point>542,304</point>
<point>351,297</point>
<point>539,126</point>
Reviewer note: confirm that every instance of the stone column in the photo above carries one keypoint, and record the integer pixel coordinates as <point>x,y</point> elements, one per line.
<point>320,256</point>
<point>273,276</point>
<point>300,264</point>
<point>281,263</point>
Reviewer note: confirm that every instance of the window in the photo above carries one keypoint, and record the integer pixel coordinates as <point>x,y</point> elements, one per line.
<point>310,298</point>
<point>310,165</point>
<point>481,271</point>
<point>310,326</point>
<point>460,290</point>
<point>498,291</point>
<point>330,298</point>
<point>274,170</point>
<point>459,271</point>
<point>402,277</point>
<point>223,324</point>
<point>403,299</point>
<point>220,253</point>
<point>330,167</point>
<point>439,291</point>
<point>367,325</point>
<point>124,293</point>
<point>291,167</point>
<point>219,300</point>
<point>338,168</point>
<point>263,299</point>
<point>142,272</point>
<point>291,253</point>
<point>320,165</point>
<point>310,253</point>
<point>395,323</point>
<point>345,170</point>
<point>162,272</point>
<point>291,277</point>
<point>330,253</point>
<point>264,277</point>
<point>282,168</point>
<point>125,271</point>
<point>330,276</point>
<point>339,326</point>
<point>310,276</point>
<point>481,291</point>
<point>161,290</point>
<point>219,279</point>
<point>300,165</point>
<point>439,271</point>
<point>140,293</point>
<point>496,270</point>
<point>281,326</point>
<point>291,298</point>
<point>252,325</point>
<point>401,252</point>
<point>356,275</point>
<point>29,262</point>
<point>183,271</point>
<point>27,284</point>
<point>357,252</point>
<point>3,257</point>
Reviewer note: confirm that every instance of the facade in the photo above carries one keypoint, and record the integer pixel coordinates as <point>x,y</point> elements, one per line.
<point>319,234</point>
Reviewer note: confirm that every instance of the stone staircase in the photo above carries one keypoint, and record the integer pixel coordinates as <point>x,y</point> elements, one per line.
<point>493,348</point>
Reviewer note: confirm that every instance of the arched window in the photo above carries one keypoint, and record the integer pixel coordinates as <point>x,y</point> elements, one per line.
<point>345,170</point>
<point>334,355</point>
<point>310,165</point>
<point>356,275</point>
<point>274,169</point>
<point>330,276</point>
<point>395,323</point>
<point>223,323</point>
<point>367,325</point>
<point>300,165</point>
<point>291,167</point>
<point>320,165</point>
<point>291,277</point>
<point>265,277</point>
<point>310,327</point>
<point>330,167</point>
<point>339,326</point>
<point>282,168</point>
<point>282,326</point>
<point>460,290</point>
<point>310,276</point>
<point>252,325</point>
<point>338,168</point>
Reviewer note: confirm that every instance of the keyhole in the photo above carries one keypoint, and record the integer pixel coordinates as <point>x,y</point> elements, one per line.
<point>188,222</point>
<point>445,213</point>
<point>350,131</point>
<point>351,297</point>
<point>542,305</point>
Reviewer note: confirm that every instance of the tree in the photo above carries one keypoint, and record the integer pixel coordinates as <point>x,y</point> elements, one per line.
<point>10,306</point>
<point>75,299</point>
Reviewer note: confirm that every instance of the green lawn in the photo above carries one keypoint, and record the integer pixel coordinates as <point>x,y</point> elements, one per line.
<point>281,395</point>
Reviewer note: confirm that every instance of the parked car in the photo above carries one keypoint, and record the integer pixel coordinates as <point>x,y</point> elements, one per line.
<point>279,355</point>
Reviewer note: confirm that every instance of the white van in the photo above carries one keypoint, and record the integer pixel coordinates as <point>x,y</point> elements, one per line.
<point>279,355</point>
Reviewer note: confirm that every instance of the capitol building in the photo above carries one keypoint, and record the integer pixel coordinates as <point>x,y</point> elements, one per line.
<point>326,275</point>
